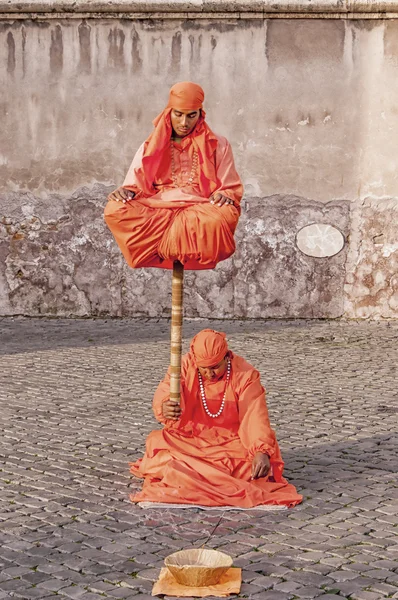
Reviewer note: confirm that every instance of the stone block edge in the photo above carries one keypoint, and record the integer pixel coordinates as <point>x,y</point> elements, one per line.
<point>309,8</point>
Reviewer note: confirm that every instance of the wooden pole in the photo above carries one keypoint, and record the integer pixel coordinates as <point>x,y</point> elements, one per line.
<point>177,292</point>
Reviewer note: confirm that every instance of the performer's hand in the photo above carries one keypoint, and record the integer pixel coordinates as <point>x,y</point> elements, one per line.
<point>171,410</point>
<point>219,199</point>
<point>121,195</point>
<point>260,465</point>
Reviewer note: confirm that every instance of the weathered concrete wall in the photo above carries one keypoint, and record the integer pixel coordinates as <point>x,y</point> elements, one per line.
<point>309,106</point>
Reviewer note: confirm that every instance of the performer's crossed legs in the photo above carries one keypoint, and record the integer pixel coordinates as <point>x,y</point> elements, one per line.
<point>149,236</point>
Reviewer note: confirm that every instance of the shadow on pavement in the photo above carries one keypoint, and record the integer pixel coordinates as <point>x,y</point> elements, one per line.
<point>22,334</point>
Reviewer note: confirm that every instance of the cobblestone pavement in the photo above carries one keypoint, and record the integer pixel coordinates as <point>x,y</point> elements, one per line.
<point>75,409</point>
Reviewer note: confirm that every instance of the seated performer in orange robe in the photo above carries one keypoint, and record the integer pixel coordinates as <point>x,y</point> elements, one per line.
<point>180,199</point>
<point>218,448</point>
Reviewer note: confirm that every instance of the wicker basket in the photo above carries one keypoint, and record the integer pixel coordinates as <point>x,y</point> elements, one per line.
<point>198,567</point>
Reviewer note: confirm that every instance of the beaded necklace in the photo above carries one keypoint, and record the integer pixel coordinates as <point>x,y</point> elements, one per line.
<point>195,161</point>
<point>203,395</point>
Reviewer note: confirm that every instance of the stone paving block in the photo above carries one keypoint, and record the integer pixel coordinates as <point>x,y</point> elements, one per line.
<point>306,591</point>
<point>130,565</point>
<point>150,574</point>
<point>75,563</point>
<point>265,582</point>
<point>350,587</point>
<point>312,579</point>
<point>277,570</point>
<point>248,576</point>
<point>120,592</point>
<point>53,585</point>
<point>70,548</point>
<point>13,572</point>
<point>35,577</point>
<point>358,567</point>
<point>381,574</point>
<point>11,585</point>
<point>142,585</point>
<point>91,596</point>
<point>273,595</point>
<point>364,595</point>
<point>311,556</point>
<point>73,591</point>
<point>92,568</point>
<point>333,561</point>
<point>317,568</point>
<point>343,575</point>
<point>287,586</point>
<point>250,588</point>
<point>383,588</point>
<point>31,594</point>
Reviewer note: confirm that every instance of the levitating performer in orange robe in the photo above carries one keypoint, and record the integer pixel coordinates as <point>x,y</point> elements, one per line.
<point>218,448</point>
<point>180,199</point>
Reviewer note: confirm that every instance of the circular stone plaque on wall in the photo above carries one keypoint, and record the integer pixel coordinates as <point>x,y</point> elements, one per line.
<point>320,240</point>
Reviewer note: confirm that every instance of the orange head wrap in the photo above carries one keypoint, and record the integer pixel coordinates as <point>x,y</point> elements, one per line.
<point>186,96</point>
<point>209,347</point>
<point>202,141</point>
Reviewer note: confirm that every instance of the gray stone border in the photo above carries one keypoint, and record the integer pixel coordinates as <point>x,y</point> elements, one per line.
<point>326,9</point>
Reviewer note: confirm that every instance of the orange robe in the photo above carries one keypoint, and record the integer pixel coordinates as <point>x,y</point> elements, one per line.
<point>177,223</point>
<point>203,460</point>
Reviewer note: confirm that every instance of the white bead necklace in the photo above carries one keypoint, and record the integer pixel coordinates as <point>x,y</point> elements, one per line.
<point>203,395</point>
<point>195,162</point>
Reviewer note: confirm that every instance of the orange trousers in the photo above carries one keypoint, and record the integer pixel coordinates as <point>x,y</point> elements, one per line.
<point>198,235</point>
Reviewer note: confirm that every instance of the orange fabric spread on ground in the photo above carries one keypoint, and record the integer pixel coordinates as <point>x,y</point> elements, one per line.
<point>170,217</point>
<point>207,461</point>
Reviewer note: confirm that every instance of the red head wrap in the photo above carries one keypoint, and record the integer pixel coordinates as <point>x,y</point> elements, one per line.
<point>209,347</point>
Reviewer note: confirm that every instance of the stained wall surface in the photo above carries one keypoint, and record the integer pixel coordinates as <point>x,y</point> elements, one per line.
<point>310,107</point>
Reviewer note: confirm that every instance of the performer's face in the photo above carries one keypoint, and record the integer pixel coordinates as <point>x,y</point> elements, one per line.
<point>183,121</point>
<point>215,372</point>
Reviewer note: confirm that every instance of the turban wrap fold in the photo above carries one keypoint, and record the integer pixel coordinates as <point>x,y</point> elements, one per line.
<point>209,347</point>
<point>186,96</point>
